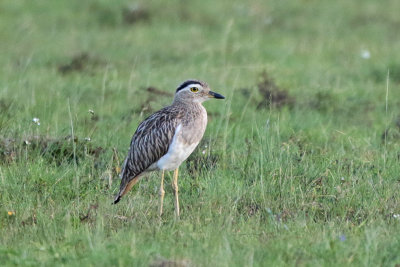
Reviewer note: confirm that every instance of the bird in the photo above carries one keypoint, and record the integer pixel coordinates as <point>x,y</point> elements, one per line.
<point>167,138</point>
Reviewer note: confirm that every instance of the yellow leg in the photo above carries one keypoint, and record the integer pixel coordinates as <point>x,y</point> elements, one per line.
<point>162,193</point>
<point>175,187</point>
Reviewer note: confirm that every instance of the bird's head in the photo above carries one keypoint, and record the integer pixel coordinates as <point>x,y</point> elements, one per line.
<point>195,91</point>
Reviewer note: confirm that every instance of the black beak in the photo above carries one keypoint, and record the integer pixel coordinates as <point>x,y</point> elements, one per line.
<point>216,95</point>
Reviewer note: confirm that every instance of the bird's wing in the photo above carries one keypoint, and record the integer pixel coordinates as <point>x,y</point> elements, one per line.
<point>149,143</point>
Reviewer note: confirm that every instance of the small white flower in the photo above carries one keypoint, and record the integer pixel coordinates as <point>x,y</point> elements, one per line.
<point>36,121</point>
<point>203,152</point>
<point>396,216</point>
<point>87,139</point>
<point>365,54</point>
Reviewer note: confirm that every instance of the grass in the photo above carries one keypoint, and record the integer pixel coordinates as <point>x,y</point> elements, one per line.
<point>300,163</point>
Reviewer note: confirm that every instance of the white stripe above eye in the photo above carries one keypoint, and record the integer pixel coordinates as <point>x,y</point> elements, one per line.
<point>192,85</point>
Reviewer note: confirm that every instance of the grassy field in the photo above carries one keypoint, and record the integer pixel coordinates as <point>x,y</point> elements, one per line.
<point>298,166</point>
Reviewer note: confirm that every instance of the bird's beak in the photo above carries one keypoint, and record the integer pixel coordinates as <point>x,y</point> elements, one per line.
<point>212,94</point>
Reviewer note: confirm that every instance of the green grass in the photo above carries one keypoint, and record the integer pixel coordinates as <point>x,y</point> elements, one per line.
<point>311,181</point>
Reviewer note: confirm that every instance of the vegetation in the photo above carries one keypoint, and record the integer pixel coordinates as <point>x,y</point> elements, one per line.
<point>299,165</point>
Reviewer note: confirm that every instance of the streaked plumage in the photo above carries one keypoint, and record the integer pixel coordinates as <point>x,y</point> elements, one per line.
<point>166,138</point>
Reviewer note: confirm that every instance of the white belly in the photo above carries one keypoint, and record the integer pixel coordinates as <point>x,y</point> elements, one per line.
<point>178,151</point>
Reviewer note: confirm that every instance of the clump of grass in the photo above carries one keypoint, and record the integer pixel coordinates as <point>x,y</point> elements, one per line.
<point>80,62</point>
<point>134,14</point>
<point>272,95</point>
<point>324,101</point>
<point>57,150</point>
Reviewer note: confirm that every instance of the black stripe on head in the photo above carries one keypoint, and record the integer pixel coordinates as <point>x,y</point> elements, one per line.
<point>186,83</point>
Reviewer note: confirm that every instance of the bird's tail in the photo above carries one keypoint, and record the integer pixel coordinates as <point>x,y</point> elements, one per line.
<point>123,183</point>
<point>125,187</point>
<point>117,199</point>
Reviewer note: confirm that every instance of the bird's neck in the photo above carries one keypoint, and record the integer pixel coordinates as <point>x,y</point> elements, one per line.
<point>193,110</point>
<point>187,103</point>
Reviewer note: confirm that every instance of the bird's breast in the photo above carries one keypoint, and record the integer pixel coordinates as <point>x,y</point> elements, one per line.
<point>178,151</point>
<point>193,130</point>
<point>186,138</point>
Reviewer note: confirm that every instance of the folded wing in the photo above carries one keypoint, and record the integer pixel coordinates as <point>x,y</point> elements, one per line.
<point>149,143</point>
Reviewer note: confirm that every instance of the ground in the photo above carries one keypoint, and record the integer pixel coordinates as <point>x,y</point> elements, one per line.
<point>299,164</point>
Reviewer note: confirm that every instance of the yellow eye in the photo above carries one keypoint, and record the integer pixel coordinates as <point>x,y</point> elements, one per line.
<point>194,89</point>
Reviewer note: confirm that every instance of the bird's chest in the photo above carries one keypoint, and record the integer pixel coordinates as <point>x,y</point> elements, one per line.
<point>193,129</point>
<point>187,137</point>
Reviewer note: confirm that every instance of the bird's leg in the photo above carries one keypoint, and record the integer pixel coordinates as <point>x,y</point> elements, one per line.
<point>175,187</point>
<point>162,193</point>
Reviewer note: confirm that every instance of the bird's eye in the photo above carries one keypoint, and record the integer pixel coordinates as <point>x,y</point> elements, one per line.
<point>194,89</point>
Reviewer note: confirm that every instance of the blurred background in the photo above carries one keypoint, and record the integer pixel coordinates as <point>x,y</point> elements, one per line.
<point>104,55</point>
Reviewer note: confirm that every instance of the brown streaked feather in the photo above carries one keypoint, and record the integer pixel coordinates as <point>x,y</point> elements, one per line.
<point>149,143</point>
